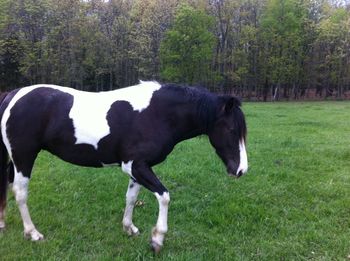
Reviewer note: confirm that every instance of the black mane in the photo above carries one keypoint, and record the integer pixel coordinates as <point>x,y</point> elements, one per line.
<point>205,102</point>
<point>240,123</point>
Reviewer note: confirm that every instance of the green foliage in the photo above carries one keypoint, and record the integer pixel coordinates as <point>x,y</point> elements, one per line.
<point>187,49</point>
<point>333,42</point>
<point>228,45</point>
<point>282,28</point>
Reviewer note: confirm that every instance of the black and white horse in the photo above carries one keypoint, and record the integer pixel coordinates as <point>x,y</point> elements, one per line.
<point>135,127</point>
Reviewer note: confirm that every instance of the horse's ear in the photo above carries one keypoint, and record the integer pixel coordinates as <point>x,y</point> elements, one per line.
<point>229,102</point>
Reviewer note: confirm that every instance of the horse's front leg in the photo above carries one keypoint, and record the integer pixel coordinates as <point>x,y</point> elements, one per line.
<point>159,231</point>
<point>131,197</point>
<point>146,177</point>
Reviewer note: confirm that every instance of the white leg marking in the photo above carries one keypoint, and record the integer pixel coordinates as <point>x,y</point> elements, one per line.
<point>2,219</point>
<point>131,197</point>
<point>243,165</point>
<point>127,168</point>
<point>20,189</point>
<point>161,227</point>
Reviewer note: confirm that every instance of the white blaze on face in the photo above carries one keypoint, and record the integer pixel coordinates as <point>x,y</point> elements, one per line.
<point>243,164</point>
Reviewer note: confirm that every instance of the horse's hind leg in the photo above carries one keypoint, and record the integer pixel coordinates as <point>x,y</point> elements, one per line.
<point>2,215</point>
<point>22,171</point>
<point>2,207</point>
<point>131,197</point>
<point>6,177</point>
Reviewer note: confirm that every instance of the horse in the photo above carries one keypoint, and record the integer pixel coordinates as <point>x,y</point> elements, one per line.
<point>134,127</point>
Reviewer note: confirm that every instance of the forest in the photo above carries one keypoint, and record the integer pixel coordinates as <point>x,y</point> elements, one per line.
<point>259,49</point>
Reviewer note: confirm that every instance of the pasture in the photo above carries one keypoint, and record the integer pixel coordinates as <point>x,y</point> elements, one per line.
<point>293,204</point>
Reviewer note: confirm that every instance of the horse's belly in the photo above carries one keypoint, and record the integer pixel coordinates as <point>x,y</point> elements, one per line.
<point>85,155</point>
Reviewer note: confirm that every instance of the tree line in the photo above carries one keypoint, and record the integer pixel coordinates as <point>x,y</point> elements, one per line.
<point>259,49</point>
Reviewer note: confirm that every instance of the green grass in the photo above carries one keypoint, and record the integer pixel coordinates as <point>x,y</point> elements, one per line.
<point>294,203</point>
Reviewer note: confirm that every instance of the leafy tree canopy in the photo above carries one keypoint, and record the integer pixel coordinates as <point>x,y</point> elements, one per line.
<point>187,49</point>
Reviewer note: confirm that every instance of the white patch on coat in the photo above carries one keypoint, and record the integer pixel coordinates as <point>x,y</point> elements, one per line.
<point>243,164</point>
<point>127,168</point>
<point>89,110</point>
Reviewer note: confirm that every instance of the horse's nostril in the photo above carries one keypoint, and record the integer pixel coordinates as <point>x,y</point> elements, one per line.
<point>240,173</point>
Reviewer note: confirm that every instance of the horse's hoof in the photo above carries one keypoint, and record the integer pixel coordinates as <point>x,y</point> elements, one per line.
<point>33,235</point>
<point>131,230</point>
<point>155,247</point>
<point>2,226</point>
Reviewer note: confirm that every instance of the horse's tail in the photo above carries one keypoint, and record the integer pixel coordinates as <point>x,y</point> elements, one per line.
<point>3,163</point>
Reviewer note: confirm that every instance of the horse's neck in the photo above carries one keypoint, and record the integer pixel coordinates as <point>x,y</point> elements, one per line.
<point>188,126</point>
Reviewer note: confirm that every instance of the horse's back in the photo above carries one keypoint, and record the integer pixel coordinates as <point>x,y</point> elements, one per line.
<point>38,117</point>
<point>83,128</point>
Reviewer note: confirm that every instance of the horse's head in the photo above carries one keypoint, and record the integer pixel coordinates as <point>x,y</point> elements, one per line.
<point>228,135</point>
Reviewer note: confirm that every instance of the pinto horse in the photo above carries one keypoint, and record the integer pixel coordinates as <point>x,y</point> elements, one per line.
<point>134,127</point>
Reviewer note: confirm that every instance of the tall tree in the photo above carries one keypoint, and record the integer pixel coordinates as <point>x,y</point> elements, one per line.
<point>333,48</point>
<point>187,49</point>
<point>108,57</point>
<point>150,19</point>
<point>21,39</point>
<point>10,50</point>
<point>282,34</point>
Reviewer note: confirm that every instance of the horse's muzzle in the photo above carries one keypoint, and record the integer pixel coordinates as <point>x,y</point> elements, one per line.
<point>238,175</point>
<point>234,170</point>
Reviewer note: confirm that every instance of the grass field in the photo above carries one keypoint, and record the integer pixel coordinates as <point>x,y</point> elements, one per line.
<point>294,203</point>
